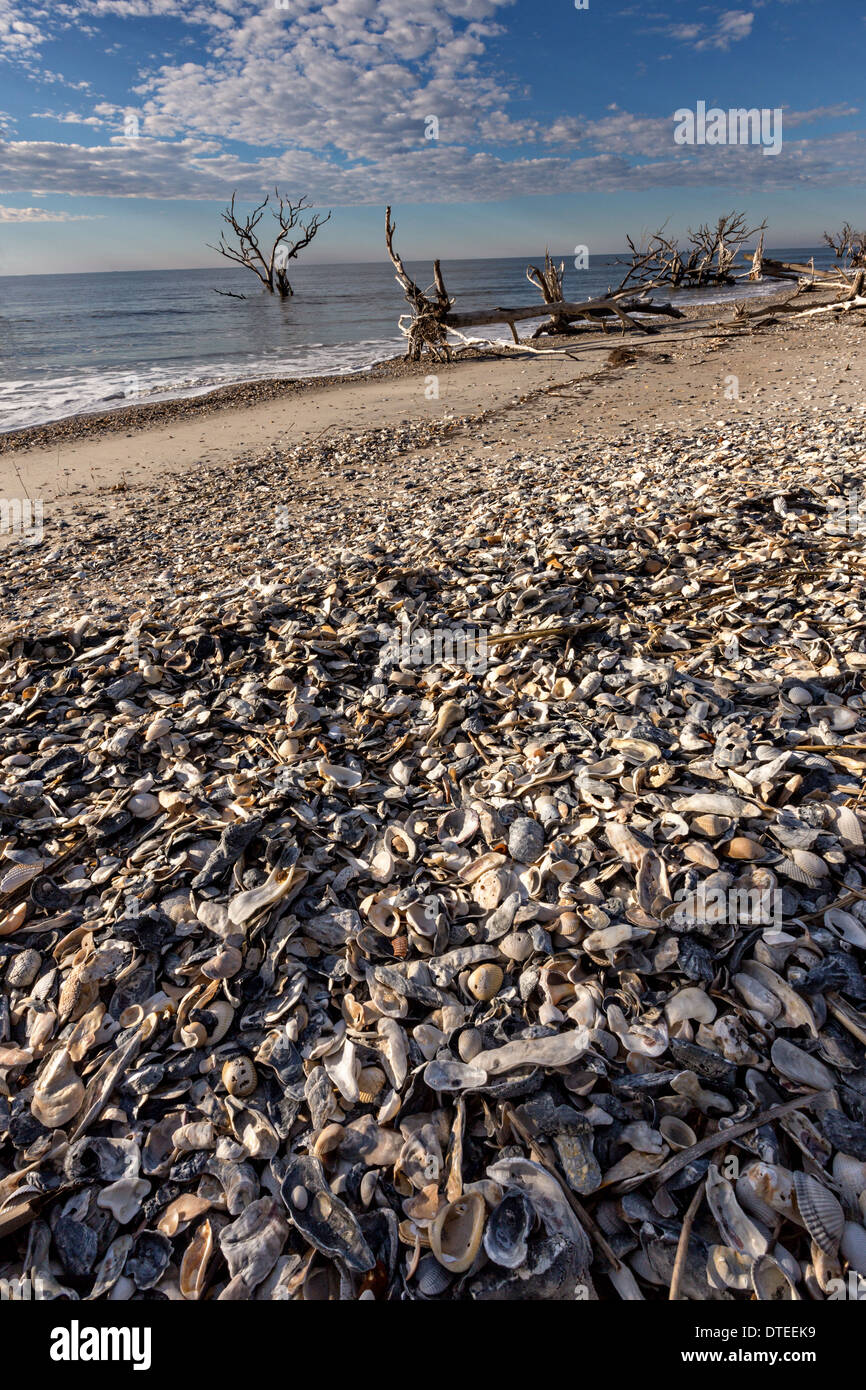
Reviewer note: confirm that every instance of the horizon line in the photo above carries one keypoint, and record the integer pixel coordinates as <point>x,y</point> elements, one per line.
<point>167,270</point>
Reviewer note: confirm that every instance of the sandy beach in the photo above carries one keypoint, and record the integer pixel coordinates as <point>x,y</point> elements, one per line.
<point>114,459</point>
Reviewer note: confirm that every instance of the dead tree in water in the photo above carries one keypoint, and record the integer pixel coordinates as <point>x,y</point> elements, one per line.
<point>271,268</point>
<point>427,328</point>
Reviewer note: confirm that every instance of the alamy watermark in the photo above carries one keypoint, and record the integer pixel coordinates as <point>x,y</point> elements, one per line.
<point>22,517</point>
<point>846,516</point>
<point>738,126</point>
<point>406,646</point>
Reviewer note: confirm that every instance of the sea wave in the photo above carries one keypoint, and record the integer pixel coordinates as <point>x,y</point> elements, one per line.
<point>40,401</point>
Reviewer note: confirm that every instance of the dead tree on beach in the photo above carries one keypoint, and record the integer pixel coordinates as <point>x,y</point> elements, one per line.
<point>707,260</point>
<point>426,330</point>
<point>848,246</point>
<point>272,266</point>
<point>433,316</point>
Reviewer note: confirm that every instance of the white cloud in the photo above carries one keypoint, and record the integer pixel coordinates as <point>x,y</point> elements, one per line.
<point>41,215</point>
<point>19,36</point>
<point>331,98</point>
<point>731,27</point>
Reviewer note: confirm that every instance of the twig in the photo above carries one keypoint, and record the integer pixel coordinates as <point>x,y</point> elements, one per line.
<point>683,1242</point>
<point>715,1141</point>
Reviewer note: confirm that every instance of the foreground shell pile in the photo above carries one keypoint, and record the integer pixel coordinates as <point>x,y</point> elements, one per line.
<point>331,972</point>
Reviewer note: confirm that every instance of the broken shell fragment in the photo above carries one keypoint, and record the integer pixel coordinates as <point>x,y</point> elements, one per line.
<point>455,1236</point>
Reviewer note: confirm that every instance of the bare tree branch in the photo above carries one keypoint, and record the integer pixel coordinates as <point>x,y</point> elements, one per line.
<point>248,251</point>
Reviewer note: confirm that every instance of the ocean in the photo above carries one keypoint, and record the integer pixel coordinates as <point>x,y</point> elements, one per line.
<point>73,344</point>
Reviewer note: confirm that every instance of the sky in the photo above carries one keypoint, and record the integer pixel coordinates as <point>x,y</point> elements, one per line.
<point>493,127</point>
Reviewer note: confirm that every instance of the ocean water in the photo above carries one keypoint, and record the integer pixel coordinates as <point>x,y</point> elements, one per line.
<point>72,344</point>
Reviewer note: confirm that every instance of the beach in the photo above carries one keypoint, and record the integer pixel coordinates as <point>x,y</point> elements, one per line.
<point>119,459</point>
<point>438,833</point>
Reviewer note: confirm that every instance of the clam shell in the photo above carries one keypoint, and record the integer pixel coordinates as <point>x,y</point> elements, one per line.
<point>456,1234</point>
<point>770,1282</point>
<point>800,1067</point>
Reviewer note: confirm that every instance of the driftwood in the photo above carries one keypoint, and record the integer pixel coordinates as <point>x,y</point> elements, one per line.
<point>618,304</point>
<point>708,259</point>
<point>427,328</point>
<point>432,316</point>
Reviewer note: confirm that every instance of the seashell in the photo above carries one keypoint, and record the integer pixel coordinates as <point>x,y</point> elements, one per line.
<point>148,1259</point>
<point>325,1221</point>
<point>766,1190</point>
<point>19,874</point>
<point>771,1283</point>
<point>485,982</point>
<point>371,1081</point>
<point>59,1093</point>
<point>800,1067</point>
<point>456,1233</point>
<point>852,1246</point>
<point>728,1268</point>
<point>712,826</point>
<point>393,1051</point>
<point>558,1051</point>
<point>432,1279</point>
<point>713,804</point>
<point>469,1044</point>
<point>245,906</point>
<point>252,1244</point>
<point>198,1259</point>
<point>450,713</point>
<point>526,839</point>
<point>179,1213</point>
<point>124,1198</point>
<point>111,1267</point>
<point>13,920</point>
<point>676,1133</point>
<point>849,1174</point>
<point>507,1230</point>
<point>421,1159</point>
<point>743,847</point>
<point>690,1003</point>
<point>334,775</point>
<point>651,1040</point>
<point>820,1212</point>
<point>739,1230</point>
<point>239,1076</point>
<point>143,805</point>
<point>448,1075</point>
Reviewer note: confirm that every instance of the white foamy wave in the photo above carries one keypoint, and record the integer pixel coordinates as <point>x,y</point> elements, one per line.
<point>28,402</point>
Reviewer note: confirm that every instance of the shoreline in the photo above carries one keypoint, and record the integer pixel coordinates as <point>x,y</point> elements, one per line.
<point>91,424</point>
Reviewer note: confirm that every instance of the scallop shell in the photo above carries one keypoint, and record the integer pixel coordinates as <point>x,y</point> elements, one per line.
<point>431,1278</point>
<point>820,1212</point>
<point>18,875</point>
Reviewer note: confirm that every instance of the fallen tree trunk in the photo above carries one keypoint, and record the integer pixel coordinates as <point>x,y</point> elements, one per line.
<point>616,304</point>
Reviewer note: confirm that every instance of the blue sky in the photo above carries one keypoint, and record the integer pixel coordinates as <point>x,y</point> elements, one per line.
<point>555,124</point>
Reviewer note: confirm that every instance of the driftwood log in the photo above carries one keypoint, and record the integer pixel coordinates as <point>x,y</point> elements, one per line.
<point>432,314</point>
